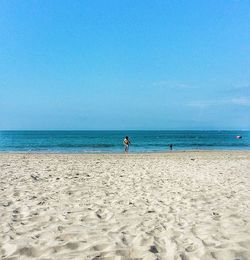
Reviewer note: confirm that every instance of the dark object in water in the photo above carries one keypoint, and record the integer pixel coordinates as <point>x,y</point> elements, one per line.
<point>238,137</point>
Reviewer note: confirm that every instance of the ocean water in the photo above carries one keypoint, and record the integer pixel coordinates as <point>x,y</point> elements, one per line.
<point>111,141</point>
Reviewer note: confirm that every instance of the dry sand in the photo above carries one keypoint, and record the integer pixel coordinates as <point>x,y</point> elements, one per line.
<point>187,205</point>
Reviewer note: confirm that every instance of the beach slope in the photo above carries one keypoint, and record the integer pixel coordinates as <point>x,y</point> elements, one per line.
<point>182,205</point>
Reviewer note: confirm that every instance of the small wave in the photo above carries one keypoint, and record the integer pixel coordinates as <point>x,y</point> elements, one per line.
<point>86,145</point>
<point>195,145</point>
<point>45,146</point>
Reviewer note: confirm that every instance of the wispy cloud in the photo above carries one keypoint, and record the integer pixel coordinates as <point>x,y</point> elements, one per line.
<point>244,101</point>
<point>244,89</point>
<point>172,84</point>
<point>239,101</point>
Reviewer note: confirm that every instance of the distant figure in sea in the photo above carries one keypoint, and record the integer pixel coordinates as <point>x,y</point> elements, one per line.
<point>171,147</point>
<point>126,143</point>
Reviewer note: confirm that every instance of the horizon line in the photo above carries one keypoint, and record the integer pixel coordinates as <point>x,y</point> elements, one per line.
<point>85,130</point>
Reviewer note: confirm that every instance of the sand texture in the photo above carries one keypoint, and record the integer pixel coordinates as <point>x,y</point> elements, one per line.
<point>174,206</point>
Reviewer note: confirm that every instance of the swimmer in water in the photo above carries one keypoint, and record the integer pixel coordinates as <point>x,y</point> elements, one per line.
<point>126,143</point>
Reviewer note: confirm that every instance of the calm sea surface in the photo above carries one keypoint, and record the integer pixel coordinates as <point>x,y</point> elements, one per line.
<point>111,141</point>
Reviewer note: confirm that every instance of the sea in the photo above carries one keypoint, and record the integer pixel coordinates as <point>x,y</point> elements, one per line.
<point>112,141</point>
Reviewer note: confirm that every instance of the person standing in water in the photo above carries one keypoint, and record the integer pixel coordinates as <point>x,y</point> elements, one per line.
<point>171,147</point>
<point>126,143</point>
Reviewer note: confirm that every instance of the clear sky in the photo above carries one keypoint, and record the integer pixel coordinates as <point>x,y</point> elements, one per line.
<point>128,64</point>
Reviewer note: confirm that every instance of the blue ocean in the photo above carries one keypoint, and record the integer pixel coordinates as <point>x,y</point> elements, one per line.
<point>112,141</point>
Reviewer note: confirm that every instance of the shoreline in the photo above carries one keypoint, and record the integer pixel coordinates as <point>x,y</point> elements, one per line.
<point>130,153</point>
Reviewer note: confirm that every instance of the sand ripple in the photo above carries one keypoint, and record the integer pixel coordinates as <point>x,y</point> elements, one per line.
<point>179,206</point>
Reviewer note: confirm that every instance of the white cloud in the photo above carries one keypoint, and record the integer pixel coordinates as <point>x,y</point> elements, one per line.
<point>244,101</point>
<point>171,84</point>
<point>239,101</point>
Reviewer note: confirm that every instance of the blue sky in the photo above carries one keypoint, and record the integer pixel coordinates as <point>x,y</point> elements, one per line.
<point>124,64</point>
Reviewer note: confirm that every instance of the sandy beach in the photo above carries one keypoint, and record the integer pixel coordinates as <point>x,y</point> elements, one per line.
<point>174,206</point>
